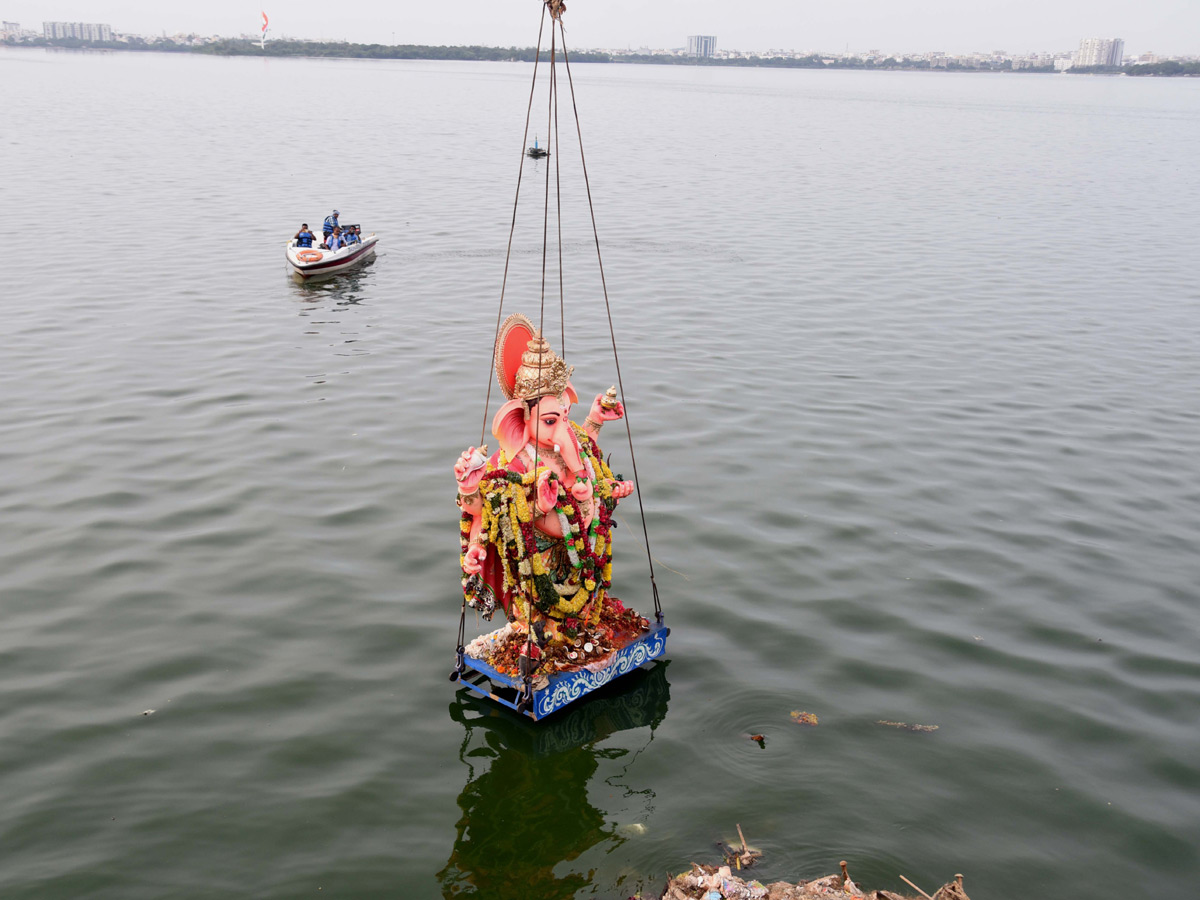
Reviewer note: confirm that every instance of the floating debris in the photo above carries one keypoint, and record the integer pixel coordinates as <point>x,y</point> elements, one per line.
<point>743,858</point>
<point>712,882</point>
<point>149,712</point>
<point>905,726</point>
<point>848,886</point>
<point>760,739</point>
<point>720,883</point>
<point>800,717</point>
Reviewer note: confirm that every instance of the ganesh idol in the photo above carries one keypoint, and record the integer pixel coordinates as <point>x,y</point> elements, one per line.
<point>537,514</point>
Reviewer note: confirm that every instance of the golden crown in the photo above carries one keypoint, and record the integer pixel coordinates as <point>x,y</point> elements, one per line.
<point>542,373</point>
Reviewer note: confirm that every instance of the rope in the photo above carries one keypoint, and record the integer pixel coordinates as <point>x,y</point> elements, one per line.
<point>546,209</point>
<point>550,104</point>
<point>499,318</point>
<point>562,316</point>
<point>461,649</point>
<point>611,330</point>
<point>512,228</point>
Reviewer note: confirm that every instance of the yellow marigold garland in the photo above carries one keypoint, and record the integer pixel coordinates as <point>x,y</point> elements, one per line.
<point>507,525</point>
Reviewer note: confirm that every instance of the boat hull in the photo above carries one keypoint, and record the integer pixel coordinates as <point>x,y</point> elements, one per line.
<point>313,262</point>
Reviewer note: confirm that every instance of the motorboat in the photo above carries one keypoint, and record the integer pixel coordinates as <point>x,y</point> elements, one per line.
<point>537,152</point>
<point>309,262</point>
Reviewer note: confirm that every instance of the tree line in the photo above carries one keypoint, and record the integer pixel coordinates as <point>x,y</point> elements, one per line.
<point>336,49</point>
<point>235,47</point>
<point>1169,68</point>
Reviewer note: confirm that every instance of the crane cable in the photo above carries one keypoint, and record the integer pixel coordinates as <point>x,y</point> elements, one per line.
<point>459,666</point>
<point>658,614</point>
<point>556,8</point>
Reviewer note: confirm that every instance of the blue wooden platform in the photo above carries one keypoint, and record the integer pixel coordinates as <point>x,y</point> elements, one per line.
<point>564,687</point>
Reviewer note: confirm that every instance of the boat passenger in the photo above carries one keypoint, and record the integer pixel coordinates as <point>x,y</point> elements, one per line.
<point>352,235</point>
<point>331,222</point>
<point>304,237</point>
<point>335,240</point>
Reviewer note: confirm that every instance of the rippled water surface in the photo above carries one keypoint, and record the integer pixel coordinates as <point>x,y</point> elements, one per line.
<point>913,368</point>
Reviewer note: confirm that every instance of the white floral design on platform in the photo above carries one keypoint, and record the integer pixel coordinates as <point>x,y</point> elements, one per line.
<point>570,688</point>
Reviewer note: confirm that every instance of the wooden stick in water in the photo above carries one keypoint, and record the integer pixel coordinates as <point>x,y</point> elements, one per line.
<point>745,849</point>
<point>915,888</point>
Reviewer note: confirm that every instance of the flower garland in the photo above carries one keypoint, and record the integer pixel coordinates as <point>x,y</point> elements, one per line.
<point>507,526</point>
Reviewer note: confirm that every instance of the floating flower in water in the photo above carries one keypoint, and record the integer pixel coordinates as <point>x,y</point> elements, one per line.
<point>907,727</point>
<point>800,717</point>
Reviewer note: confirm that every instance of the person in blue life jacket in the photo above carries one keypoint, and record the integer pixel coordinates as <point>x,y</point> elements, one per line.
<point>335,240</point>
<point>352,235</point>
<point>331,222</point>
<point>304,237</point>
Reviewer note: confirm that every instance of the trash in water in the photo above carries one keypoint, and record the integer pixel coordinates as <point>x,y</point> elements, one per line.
<point>712,881</point>
<point>742,858</point>
<point>800,717</point>
<point>905,726</point>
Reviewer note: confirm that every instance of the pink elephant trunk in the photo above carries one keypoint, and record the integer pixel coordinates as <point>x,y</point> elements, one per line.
<point>562,439</point>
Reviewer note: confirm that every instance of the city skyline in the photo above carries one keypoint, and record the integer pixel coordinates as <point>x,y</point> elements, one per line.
<point>1093,53</point>
<point>1165,27</point>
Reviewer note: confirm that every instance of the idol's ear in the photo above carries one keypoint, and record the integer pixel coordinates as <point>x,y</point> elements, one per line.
<point>571,395</point>
<point>509,427</point>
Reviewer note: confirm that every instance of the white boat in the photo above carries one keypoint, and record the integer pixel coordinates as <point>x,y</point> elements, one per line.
<point>308,262</point>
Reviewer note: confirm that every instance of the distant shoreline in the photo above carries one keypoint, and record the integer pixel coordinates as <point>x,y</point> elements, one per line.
<point>475,53</point>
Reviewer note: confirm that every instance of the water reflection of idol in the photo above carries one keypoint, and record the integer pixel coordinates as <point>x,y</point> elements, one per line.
<point>525,807</point>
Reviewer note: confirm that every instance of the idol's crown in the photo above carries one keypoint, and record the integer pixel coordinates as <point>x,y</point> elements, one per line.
<point>542,373</point>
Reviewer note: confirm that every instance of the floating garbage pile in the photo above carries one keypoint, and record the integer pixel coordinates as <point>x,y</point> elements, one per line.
<point>719,883</point>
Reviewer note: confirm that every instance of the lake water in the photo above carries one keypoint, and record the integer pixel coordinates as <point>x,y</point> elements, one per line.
<point>913,368</point>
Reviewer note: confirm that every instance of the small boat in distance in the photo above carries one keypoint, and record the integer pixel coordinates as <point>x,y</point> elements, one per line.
<point>537,152</point>
<point>309,262</point>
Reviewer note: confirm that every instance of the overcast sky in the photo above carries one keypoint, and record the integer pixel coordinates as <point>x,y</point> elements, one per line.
<point>1163,26</point>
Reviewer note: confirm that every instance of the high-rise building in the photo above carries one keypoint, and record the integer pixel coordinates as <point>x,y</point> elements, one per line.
<point>78,30</point>
<point>1100,52</point>
<point>702,46</point>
